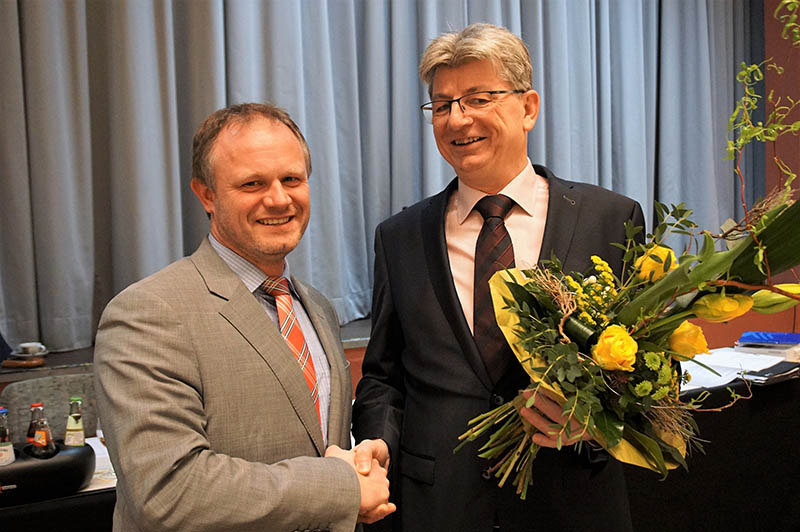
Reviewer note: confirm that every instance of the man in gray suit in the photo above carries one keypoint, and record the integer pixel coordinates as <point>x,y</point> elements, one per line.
<point>223,390</point>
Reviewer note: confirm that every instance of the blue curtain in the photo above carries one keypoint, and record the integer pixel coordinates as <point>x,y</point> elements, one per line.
<point>100,100</point>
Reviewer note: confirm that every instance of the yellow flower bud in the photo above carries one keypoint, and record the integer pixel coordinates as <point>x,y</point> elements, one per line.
<point>615,349</point>
<point>768,302</point>
<point>646,263</point>
<point>719,307</point>
<point>688,340</point>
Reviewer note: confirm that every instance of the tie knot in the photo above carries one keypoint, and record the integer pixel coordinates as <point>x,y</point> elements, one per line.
<point>496,206</point>
<point>276,286</point>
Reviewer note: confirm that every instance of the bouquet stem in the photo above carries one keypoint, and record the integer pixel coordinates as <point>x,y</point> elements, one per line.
<point>513,437</point>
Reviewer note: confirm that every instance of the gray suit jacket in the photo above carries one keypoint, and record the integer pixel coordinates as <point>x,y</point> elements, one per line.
<point>208,420</point>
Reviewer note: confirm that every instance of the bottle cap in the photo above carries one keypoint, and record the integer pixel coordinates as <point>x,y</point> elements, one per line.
<point>3,410</point>
<point>35,405</point>
<point>75,398</point>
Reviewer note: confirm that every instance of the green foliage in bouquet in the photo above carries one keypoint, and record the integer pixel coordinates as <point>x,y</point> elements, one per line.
<point>606,346</point>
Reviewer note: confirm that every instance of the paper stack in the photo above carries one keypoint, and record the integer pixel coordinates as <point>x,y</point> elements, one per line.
<point>784,345</point>
<point>777,373</point>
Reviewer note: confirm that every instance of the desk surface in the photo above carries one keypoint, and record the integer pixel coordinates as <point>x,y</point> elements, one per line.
<point>748,478</point>
<point>90,509</point>
<point>64,363</point>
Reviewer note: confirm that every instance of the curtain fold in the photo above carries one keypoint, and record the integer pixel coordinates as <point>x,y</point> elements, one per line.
<point>18,304</point>
<point>100,101</point>
<point>56,115</point>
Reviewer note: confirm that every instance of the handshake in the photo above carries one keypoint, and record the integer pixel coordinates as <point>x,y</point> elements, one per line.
<point>370,460</point>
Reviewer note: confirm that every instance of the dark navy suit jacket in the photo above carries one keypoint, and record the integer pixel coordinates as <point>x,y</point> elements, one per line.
<point>423,377</point>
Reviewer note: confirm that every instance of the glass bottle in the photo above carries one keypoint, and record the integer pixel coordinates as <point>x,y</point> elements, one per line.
<point>6,447</point>
<point>37,412</point>
<point>74,435</point>
<point>43,445</point>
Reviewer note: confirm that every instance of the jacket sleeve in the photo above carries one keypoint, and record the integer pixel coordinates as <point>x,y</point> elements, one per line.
<point>151,402</point>
<point>380,395</point>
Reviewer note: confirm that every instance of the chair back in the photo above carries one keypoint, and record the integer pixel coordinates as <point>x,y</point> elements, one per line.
<point>54,392</point>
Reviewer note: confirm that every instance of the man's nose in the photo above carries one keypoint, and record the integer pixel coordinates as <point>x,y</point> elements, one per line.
<point>276,195</point>
<point>458,116</point>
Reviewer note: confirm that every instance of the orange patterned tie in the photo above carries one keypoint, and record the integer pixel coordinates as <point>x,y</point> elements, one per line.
<point>278,287</point>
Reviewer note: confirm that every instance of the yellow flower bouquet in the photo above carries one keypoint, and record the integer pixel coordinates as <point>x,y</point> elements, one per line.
<point>608,345</point>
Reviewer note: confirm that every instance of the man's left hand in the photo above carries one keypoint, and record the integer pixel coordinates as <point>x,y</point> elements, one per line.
<point>546,416</point>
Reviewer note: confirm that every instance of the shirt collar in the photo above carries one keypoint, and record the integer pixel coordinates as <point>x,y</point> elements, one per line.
<point>250,274</point>
<point>522,189</point>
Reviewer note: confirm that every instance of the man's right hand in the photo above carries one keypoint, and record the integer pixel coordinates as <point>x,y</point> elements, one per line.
<point>374,486</point>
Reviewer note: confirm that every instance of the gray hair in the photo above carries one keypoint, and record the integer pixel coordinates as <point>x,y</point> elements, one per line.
<point>476,42</point>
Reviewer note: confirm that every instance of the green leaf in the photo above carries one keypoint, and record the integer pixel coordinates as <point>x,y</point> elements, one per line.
<point>523,297</point>
<point>567,387</point>
<point>780,238</point>
<point>609,426</point>
<point>675,454</point>
<point>573,373</point>
<point>708,247</point>
<point>649,447</point>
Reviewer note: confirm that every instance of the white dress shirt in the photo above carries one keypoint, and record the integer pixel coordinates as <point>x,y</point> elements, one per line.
<point>525,225</point>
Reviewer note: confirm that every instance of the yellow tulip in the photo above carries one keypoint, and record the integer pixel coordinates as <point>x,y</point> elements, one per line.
<point>688,340</point>
<point>717,308</point>
<point>769,302</point>
<point>615,349</point>
<point>647,264</point>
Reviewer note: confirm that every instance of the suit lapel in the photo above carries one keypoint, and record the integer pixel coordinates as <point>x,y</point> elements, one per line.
<point>563,206</point>
<point>246,315</point>
<point>326,332</point>
<point>438,262</point>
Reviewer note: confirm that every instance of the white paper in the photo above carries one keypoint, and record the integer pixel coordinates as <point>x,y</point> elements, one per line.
<point>104,476</point>
<point>726,361</point>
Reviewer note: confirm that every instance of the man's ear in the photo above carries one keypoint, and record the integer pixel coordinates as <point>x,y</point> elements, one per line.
<point>204,194</point>
<point>531,102</point>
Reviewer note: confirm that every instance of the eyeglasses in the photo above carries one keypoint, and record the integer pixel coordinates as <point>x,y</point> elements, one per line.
<point>474,101</point>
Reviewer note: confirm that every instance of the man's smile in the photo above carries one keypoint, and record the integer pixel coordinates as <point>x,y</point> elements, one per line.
<point>466,141</point>
<point>275,221</point>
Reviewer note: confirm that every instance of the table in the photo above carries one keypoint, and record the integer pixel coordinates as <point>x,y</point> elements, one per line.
<point>83,512</point>
<point>749,478</point>
<point>62,363</point>
<point>89,510</point>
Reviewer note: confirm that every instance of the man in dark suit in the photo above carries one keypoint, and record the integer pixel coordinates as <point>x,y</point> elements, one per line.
<point>430,365</point>
<point>222,385</point>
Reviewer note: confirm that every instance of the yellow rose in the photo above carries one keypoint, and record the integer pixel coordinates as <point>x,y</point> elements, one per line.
<point>688,340</point>
<point>719,307</point>
<point>646,263</point>
<point>615,349</point>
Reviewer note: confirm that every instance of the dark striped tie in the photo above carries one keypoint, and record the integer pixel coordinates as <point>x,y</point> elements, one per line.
<point>493,252</point>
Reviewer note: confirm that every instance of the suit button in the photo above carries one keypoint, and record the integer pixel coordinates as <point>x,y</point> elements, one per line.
<point>486,474</point>
<point>497,400</point>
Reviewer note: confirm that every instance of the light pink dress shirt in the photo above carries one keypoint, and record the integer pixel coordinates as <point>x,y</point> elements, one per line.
<point>525,225</point>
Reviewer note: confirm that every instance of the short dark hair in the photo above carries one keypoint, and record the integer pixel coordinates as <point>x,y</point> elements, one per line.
<point>207,133</point>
